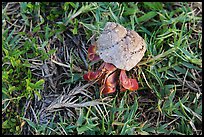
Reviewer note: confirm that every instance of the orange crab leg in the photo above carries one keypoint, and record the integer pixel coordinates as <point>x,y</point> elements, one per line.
<point>110,84</point>
<point>110,79</point>
<point>91,75</point>
<point>127,83</point>
<point>92,56</point>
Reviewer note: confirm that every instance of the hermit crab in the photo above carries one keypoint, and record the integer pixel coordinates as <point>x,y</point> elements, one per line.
<point>121,50</point>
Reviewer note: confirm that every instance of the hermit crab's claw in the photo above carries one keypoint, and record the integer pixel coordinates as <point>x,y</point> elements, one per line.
<point>91,75</point>
<point>110,84</point>
<point>127,83</point>
<point>92,56</point>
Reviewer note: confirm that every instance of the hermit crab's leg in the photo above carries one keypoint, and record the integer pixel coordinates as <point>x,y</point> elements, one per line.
<point>110,81</point>
<point>91,75</point>
<point>127,83</point>
<point>110,84</point>
<point>92,56</point>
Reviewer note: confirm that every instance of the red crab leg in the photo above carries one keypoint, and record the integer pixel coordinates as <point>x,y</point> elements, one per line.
<point>127,83</point>
<point>91,75</point>
<point>110,84</point>
<point>92,56</point>
<point>110,79</point>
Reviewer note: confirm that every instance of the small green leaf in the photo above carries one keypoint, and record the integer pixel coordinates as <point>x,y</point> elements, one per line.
<point>41,20</point>
<point>147,16</point>
<point>26,64</point>
<point>6,125</point>
<point>188,65</point>
<point>143,29</point>
<point>89,26</point>
<point>11,89</point>
<point>75,77</point>
<point>81,118</point>
<point>39,83</point>
<point>36,29</point>
<point>47,30</point>
<point>85,128</point>
<point>156,77</point>
<point>179,69</point>
<point>29,5</point>
<point>38,94</point>
<point>13,120</point>
<point>196,61</point>
<point>33,125</point>
<point>13,62</point>
<point>183,71</point>
<point>131,11</point>
<point>6,51</point>
<point>154,5</point>
<point>124,129</point>
<point>44,44</point>
<point>113,15</point>
<point>182,109</point>
<point>5,76</point>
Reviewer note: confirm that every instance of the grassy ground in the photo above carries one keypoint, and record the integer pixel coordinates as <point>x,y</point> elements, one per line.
<point>44,48</point>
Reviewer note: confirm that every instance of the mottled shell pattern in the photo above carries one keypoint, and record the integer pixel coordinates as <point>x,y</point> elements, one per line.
<point>121,47</point>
